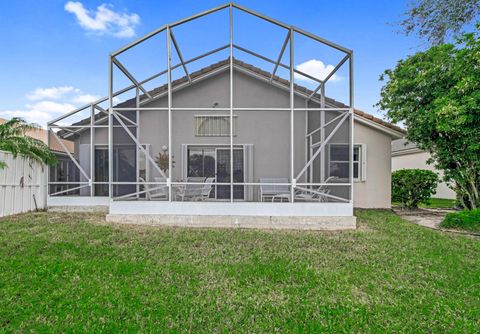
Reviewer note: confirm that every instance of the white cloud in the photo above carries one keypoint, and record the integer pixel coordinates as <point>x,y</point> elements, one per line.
<point>53,93</point>
<point>104,20</point>
<point>85,98</point>
<point>317,69</point>
<point>32,116</point>
<point>51,107</point>
<point>49,103</point>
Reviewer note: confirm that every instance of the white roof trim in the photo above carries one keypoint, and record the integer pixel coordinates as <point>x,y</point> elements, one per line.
<point>391,132</point>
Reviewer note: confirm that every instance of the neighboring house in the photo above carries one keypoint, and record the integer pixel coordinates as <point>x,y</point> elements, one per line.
<point>42,134</point>
<point>64,170</point>
<point>408,155</point>
<point>232,140</point>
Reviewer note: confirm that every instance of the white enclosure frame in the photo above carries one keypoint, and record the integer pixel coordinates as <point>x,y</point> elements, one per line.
<point>113,113</point>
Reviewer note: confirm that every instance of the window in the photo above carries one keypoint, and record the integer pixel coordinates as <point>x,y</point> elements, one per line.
<point>214,126</point>
<point>339,161</point>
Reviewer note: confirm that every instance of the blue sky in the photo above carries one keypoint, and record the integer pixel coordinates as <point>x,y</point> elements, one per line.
<point>54,55</point>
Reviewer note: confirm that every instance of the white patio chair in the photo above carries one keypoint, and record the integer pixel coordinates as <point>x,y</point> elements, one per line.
<point>155,191</point>
<point>273,191</point>
<point>191,192</point>
<point>314,195</point>
<point>207,188</point>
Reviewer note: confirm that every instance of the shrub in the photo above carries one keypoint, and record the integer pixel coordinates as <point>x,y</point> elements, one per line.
<point>465,220</point>
<point>413,186</point>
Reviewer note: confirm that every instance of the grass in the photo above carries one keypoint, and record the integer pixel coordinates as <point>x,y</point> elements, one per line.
<point>435,203</point>
<point>439,203</point>
<point>463,220</point>
<point>74,273</point>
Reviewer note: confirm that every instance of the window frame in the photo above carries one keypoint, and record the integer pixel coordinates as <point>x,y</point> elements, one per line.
<point>361,162</point>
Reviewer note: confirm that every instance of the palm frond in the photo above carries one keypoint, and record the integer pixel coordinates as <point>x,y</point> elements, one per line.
<point>13,139</point>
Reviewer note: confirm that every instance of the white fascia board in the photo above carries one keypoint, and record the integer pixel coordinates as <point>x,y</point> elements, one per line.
<point>391,132</point>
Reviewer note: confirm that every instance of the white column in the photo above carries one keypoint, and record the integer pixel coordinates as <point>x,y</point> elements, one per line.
<point>351,124</point>
<point>231,103</point>
<point>322,133</point>
<point>92,149</point>
<point>292,132</point>
<point>137,128</point>
<point>110,128</point>
<point>169,77</point>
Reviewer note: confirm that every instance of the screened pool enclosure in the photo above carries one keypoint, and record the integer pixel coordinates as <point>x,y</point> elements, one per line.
<point>222,118</point>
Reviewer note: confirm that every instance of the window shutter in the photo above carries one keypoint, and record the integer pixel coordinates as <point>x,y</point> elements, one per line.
<point>184,160</point>
<point>364,162</point>
<point>248,155</point>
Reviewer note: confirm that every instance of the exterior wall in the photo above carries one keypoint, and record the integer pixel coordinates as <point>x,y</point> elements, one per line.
<point>375,191</point>
<point>268,131</point>
<point>418,159</point>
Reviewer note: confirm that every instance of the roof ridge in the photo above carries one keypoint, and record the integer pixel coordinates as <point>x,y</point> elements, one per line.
<point>257,70</point>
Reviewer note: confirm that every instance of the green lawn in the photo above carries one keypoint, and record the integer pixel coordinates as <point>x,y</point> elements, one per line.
<point>439,203</point>
<point>435,203</point>
<point>73,273</point>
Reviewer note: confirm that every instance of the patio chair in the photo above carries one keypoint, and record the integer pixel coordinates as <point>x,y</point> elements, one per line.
<point>314,195</point>
<point>155,191</point>
<point>192,192</point>
<point>207,188</point>
<point>273,191</point>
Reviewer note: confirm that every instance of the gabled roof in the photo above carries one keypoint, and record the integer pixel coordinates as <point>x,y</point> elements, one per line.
<point>399,132</point>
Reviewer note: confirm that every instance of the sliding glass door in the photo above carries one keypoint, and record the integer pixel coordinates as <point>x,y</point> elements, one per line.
<point>124,170</point>
<point>223,173</point>
<point>215,162</point>
<point>101,171</point>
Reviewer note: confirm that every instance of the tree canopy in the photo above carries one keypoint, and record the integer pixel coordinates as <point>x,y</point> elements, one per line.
<point>436,95</point>
<point>13,139</point>
<point>436,20</point>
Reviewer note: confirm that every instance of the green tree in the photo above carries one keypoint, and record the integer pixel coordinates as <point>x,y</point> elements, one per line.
<point>13,139</point>
<point>436,95</point>
<point>436,20</point>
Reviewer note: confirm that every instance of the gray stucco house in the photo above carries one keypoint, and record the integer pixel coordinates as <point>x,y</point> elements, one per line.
<point>407,155</point>
<point>230,140</point>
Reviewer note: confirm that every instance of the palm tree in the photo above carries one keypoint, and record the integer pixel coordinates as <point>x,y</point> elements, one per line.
<point>13,139</point>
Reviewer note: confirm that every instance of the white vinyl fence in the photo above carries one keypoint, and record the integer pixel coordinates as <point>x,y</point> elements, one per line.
<point>22,185</point>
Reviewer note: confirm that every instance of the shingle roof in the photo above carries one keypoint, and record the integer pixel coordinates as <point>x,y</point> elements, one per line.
<point>256,70</point>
